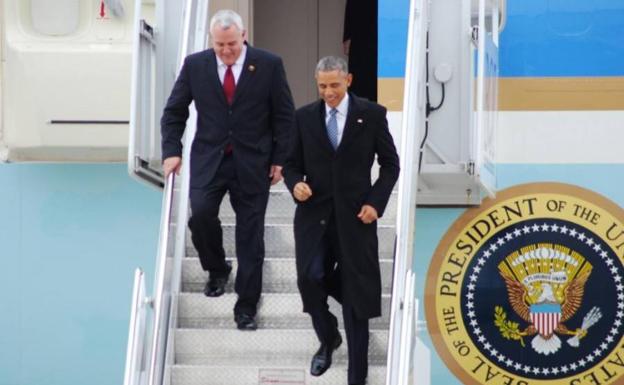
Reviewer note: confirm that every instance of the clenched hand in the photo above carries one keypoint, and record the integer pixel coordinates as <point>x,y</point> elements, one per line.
<point>367,214</point>
<point>302,191</point>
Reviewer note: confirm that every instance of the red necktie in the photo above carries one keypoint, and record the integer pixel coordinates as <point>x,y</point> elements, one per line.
<point>228,89</point>
<point>228,85</point>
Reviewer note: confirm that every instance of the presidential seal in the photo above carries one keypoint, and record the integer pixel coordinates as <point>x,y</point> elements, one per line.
<point>528,289</point>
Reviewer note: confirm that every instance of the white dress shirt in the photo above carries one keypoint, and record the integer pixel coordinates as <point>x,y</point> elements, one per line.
<point>341,115</point>
<point>237,67</point>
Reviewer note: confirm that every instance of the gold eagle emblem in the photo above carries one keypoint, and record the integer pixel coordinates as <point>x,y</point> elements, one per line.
<point>545,286</point>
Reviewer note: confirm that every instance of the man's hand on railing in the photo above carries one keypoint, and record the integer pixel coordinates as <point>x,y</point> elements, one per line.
<point>172,164</point>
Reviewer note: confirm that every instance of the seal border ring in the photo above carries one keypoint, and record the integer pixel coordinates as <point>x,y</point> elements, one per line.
<point>451,234</point>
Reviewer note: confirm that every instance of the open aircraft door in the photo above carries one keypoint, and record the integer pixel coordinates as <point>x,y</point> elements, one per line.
<point>485,68</point>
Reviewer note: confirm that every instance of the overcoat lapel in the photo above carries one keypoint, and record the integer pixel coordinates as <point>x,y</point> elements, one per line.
<point>319,129</point>
<point>353,124</point>
<point>213,76</point>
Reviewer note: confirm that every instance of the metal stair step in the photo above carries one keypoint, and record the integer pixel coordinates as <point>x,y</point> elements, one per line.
<point>279,239</point>
<point>263,347</point>
<point>279,275</point>
<point>209,350</point>
<point>282,206</point>
<point>248,375</point>
<point>276,254</point>
<point>276,311</point>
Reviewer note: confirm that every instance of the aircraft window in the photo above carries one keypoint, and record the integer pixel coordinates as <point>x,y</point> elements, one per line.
<point>55,18</point>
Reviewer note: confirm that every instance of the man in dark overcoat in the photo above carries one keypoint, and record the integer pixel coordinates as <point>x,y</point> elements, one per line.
<point>245,114</point>
<point>328,171</point>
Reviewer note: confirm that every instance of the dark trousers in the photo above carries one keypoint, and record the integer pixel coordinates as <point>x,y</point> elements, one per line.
<point>207,234</point>
<point>324,274</point>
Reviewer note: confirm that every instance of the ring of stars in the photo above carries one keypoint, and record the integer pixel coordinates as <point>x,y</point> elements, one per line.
<point>495,355</point>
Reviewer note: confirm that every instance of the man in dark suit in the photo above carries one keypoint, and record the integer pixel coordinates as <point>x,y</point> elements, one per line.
<point>245,115</point>
<point>328,171</point>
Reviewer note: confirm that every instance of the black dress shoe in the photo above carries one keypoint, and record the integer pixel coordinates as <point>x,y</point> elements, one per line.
<point>245,322</point>
<point>215,286</point>
<point>322,359</point>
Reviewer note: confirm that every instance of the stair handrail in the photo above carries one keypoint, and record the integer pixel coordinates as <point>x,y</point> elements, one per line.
<point>168,283</point>
<point>401,318</point>
<point>135,352</point>
<point>144,359</point>
<point>410,313</point>
<point>161,301</point>
<point>171,245</point>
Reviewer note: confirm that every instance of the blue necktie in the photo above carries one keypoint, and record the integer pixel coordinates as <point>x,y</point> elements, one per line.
<point>332,128</point>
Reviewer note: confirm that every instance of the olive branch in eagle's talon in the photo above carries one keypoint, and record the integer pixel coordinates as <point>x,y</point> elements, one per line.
<point>508,329</point>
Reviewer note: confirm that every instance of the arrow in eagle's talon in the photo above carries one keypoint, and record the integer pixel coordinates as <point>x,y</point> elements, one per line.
<point>589,320</point>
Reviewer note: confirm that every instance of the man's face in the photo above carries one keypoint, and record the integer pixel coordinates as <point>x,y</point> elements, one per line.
<point>227,43</point>
<point>332,86</point>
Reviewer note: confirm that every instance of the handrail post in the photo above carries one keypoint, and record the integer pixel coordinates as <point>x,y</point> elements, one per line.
<point>407,331</point>
<point>136,331</point>
<point>160,300</point>
<point>172,245</point>
<point>413,118</point>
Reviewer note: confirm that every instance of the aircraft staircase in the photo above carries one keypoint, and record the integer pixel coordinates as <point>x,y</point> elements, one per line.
<point>209,350</point>
<point>178,336</point>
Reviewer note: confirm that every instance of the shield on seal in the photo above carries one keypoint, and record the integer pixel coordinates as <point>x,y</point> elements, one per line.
<point>545,317</point>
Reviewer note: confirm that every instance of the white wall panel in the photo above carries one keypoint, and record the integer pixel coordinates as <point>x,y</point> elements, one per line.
<point>557,137</point>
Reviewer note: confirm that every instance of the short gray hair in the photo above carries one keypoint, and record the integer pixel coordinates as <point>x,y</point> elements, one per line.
<point>226,18</point>
<point>332,63</point>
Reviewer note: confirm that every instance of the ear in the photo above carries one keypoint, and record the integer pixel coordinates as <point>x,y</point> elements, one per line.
<point>349,79</point>
<point>244,34</point>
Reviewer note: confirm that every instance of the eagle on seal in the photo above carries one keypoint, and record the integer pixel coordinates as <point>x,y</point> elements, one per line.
<point>547,314</point>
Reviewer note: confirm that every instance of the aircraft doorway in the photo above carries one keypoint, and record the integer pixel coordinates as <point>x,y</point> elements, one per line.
<point>303,31</point>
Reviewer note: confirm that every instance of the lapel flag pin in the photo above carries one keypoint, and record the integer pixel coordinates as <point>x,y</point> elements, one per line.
<point>251,68</point>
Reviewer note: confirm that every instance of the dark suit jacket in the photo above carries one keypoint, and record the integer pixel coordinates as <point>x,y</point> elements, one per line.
<point>257,124</point>
<point>341,183</point>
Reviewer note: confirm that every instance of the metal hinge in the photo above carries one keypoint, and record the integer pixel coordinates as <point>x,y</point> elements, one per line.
<point>146,31</point>
<point>474,34</point>
<point>470,168</point>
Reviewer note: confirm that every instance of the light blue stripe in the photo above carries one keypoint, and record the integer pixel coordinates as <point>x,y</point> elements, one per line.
<point>71,237</point>
<point>72,234</point>
<point>11,269</point>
